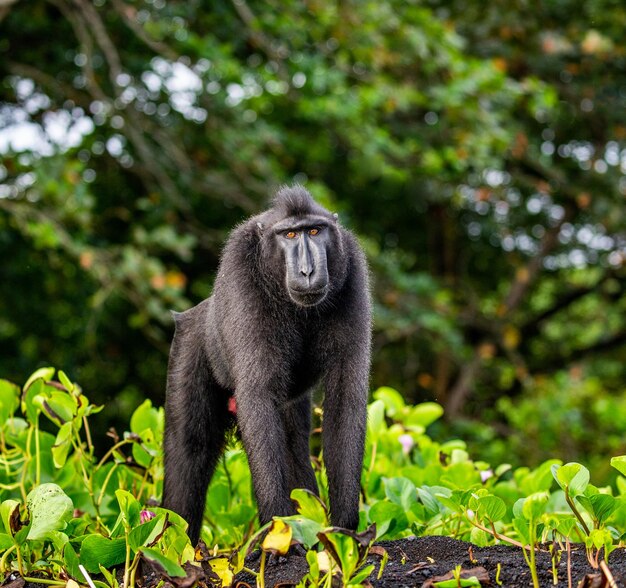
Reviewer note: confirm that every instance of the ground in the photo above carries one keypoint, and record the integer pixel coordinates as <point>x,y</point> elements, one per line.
<point>415,562</point>
<point>418,562</point>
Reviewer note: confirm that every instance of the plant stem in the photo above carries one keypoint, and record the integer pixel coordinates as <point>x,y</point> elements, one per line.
<point>37,455</point>
<point>105,484</point>
<point>3,561</point>
<point>127,560</point>
<point>111,451</point>
<point>88,435</point>
<point>569,562</point>
<point>499,535</point>
<point>569,500</point>
<point>43,581</point>
<point>260,580</point>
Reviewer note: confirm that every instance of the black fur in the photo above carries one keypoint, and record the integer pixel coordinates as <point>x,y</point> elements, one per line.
<point>285,314</point>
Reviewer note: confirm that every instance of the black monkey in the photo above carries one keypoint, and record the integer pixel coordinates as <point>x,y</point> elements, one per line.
<point>290,308</point>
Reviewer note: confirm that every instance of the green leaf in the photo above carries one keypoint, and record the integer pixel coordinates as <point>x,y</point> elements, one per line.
<point>534,505</point>
<point>423,414</point>
<point>67,383</point>
<point>97,550</point>
<point>129,507</point>
<point>62,445</point>
<point>309,505</point>
<point>389,516</point>
<point>59,406</point>
<point>619,463</point>
<point>305,530</point>
<point>146,417</point>
<point>170,567</point>
<point>45,373</point>
<point>603,506</point>
<point>30,406</point>
<point>6,541</point>
<point>9,400</point>
<point>392,399</point>
<point>145,533</point>
<point>572,477</point>
<point>50,509</point>
<point>375,420</point>
<point>491,507</point>
<point>8,516</point>
<point>401,491</point>
<point>71,561</point>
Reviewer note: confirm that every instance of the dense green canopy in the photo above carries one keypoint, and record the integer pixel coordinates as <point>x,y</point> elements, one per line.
<point>479,150</point>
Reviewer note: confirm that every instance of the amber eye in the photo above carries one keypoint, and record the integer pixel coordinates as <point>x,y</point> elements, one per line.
<point>291,235</point>
<point>313,232</point>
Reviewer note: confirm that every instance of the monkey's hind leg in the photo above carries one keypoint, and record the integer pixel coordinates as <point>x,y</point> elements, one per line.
<point>196,421</point>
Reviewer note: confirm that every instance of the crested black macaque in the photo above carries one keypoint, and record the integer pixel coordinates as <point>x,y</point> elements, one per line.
<point>290,308</point>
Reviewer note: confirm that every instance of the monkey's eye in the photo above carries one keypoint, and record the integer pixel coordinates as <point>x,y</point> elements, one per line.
<point>291,235</point>
<point>313,232</point>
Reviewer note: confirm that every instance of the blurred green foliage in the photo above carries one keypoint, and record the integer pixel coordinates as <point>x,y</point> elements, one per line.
<point>478,149</point>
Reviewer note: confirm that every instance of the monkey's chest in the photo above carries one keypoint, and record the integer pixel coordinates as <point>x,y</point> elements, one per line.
<point>305,373</point>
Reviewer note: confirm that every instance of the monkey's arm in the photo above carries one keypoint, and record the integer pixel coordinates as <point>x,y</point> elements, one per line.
<point>348,340</point>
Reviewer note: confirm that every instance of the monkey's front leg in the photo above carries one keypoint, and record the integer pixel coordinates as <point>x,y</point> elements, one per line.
<point>264,439</point>
<point>343,437</point>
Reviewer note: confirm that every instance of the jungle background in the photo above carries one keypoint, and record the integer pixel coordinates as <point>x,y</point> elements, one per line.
<point>477,149</point>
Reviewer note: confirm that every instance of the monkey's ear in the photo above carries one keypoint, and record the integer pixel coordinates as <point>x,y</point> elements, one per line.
<point>336,216</point>
<point>259,226</point>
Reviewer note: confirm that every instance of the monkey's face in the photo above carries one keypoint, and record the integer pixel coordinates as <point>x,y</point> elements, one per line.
<point>306,245</point>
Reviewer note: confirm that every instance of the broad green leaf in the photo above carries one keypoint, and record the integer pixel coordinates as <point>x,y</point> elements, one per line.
<point>310,506</point>
<point>401,491</point>
<point>97,550</point>
<point>343,549</point>
<point>8,516</point>
<point>49,508</point>
<point>67,383</point>
<point>62,445</point>
<point>572,477</point>
<point>534,505</point>
<point>619,463</point>
<point>129,507</point>
<point>304,530</point>
<point>362,575</point>
<point>423,414</point>
<point>145,533</point>
<point>603,506</point>
<point>146,417</point>
<point>71,561</point>
<point>45,373</point>
<point>6,541</point>
<point>388,515</point>
<point>392,399</point>
<point>169,566</point>
<point>59,406</point>
<point>492,507</point>
<point>9,400</point>
<point>375,420</point>
<point>30,406</point>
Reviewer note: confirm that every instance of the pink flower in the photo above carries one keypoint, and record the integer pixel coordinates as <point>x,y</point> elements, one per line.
<point>145,516</point>
<point>407,443</point>
<point>485,475</point>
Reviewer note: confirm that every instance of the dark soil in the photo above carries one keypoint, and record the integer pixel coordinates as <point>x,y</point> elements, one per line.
<point>421,561</point>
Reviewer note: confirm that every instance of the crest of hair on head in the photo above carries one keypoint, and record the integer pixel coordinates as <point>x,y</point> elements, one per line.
<point>296,201</point>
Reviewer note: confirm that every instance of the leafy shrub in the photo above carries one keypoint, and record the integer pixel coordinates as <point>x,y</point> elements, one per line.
<point>66,514</point>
